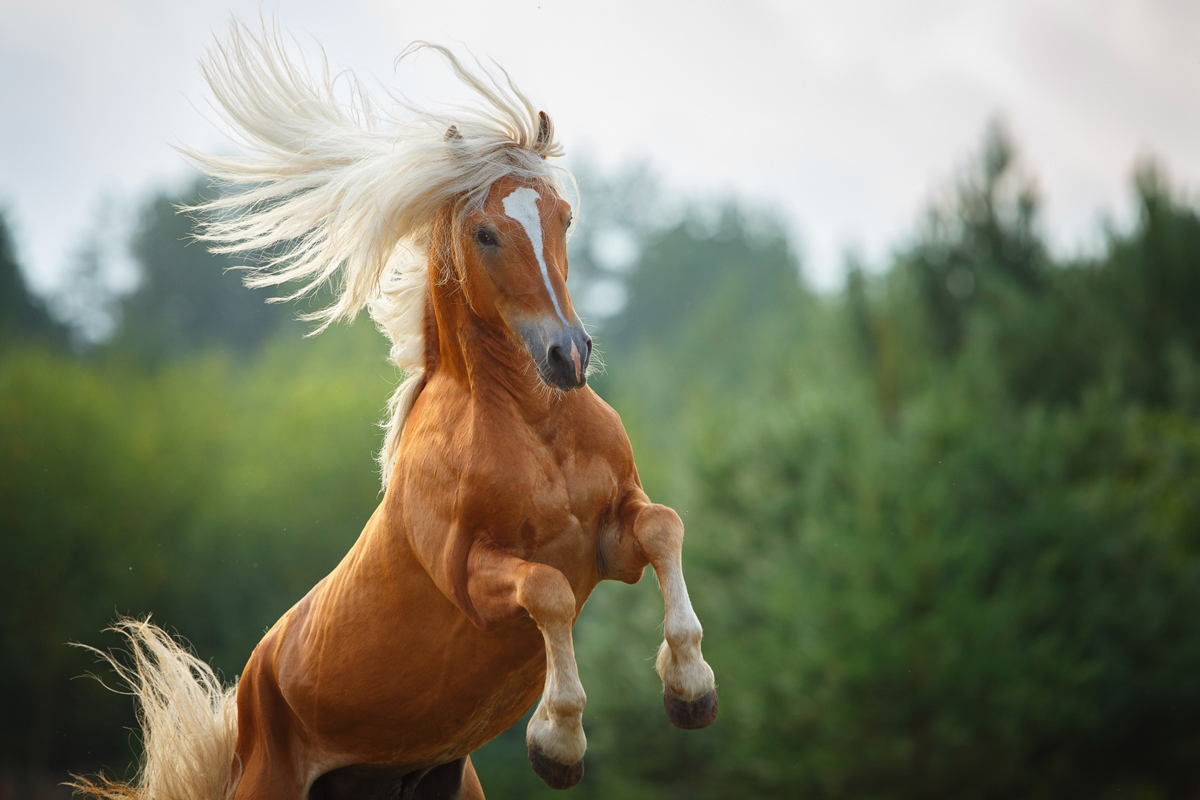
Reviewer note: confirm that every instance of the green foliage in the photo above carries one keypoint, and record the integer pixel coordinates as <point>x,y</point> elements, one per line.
<point>1153,282</point>
<point>981,249</point>
<point>693,278</point>
<point>211,494</point>
<point>948,609</point>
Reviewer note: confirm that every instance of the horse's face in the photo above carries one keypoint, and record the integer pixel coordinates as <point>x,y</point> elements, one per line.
<point>516,273</point>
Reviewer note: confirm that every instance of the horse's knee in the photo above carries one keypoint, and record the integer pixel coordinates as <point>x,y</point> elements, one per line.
<point>547,595</point>
<point>659,532</point>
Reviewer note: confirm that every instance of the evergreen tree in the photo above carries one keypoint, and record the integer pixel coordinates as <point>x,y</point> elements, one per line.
<point>23,315</point>
<point>189,299</point>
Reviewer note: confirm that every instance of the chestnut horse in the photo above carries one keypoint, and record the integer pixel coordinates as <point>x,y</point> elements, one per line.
<point>511,489</point>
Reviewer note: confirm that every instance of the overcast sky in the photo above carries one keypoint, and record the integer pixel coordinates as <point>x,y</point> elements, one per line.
<point>846,116</point>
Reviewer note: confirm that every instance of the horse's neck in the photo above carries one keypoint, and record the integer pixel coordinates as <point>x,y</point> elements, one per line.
<point>479,356</point>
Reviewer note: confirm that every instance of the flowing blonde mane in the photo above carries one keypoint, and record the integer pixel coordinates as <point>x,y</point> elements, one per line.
<point>330,191</point>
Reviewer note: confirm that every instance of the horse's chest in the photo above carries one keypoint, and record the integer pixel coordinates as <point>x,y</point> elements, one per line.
<point>558,504</point>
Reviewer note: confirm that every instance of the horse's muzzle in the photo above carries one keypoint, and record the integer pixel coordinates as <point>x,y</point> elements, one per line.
<point>567,358</point>
<point>561,354</point>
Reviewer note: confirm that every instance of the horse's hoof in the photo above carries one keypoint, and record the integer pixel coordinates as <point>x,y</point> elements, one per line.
<point>556,775</point>
<point>691,714</point>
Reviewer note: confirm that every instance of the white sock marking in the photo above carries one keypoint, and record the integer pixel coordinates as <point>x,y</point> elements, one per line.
<point>521,205</point>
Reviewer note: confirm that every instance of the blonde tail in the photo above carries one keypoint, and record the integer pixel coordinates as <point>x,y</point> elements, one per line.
<point>189,722</point>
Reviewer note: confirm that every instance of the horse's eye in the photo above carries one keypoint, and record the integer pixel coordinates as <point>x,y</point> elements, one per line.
<point>485,237</point>
<point>569,221</point>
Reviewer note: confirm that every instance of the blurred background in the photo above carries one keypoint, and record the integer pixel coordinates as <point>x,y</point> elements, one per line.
<point>900,306</point>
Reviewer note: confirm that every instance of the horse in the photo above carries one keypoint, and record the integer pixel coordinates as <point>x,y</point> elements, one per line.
<point>510,488</point>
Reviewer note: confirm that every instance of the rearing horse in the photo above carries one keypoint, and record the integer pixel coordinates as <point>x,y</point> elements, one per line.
<point>511,489</point>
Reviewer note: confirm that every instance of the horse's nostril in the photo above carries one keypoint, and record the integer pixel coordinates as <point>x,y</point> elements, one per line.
<point>568,361</point>
<point>589,347</point>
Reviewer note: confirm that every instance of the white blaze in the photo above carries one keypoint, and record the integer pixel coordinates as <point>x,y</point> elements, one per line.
<point>521,205</point>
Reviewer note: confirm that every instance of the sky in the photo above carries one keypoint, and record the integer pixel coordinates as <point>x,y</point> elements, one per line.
<point>844,117</point>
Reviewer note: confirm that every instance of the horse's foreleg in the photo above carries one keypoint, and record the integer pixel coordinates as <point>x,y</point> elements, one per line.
<point>471,789</point>
<point>505,587</point>
<point>689,689</point>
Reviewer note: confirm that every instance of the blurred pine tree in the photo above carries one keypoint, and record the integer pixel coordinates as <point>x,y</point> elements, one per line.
<point>23,315</point>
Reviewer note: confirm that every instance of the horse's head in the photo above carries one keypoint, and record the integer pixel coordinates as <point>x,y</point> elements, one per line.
<point>515,271</point>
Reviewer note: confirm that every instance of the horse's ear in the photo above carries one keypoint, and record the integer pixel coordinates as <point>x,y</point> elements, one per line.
<point>452,133</point>
<point>545,133</point>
